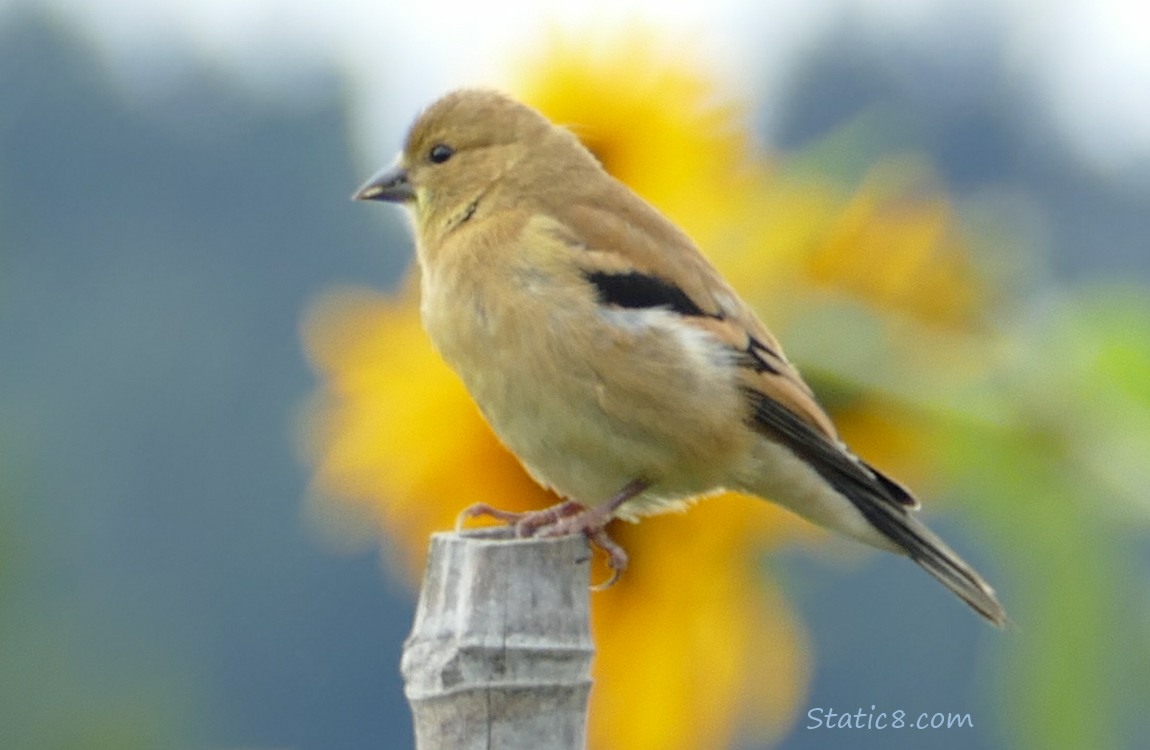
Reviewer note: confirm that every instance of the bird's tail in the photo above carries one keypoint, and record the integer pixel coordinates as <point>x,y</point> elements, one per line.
<point>929,551</point>
<point>885,505</point>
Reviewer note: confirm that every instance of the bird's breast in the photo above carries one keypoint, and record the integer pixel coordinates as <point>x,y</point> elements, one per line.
<point>588,397</point>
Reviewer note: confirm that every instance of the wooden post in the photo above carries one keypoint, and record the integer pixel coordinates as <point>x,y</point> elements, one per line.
<point>500,652</point>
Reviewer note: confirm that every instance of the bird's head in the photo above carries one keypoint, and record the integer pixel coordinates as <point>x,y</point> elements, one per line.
<point>475,151</point>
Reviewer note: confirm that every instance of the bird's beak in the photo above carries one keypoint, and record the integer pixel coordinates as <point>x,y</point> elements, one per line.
<point>389,185</point>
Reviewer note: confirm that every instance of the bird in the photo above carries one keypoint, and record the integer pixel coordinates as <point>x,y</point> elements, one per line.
<point>609,355</point>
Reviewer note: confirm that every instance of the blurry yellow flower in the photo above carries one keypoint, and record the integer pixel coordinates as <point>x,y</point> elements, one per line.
<point>895,247</point>
<point>693,643</point>
<point>661,128</point>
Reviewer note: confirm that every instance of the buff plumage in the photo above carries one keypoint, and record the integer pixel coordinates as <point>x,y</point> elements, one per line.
<point>608,354</point>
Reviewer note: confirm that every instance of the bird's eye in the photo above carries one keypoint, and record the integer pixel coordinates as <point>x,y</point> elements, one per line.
<point>440,153</point>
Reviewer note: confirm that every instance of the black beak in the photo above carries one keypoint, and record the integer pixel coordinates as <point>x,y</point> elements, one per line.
<point>389,185</point>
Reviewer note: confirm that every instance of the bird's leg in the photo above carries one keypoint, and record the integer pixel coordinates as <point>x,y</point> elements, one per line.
<point>526,523</point>
<point>592,523</point>
<point>569,517</point>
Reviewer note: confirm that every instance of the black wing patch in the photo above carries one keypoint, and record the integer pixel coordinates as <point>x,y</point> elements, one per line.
<point>638,290</point>
<point>852,477</point>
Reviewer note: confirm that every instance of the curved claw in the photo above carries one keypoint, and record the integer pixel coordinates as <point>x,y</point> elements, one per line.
<point>483,509</point>
<point>617,558</point>
<point>615,576</point>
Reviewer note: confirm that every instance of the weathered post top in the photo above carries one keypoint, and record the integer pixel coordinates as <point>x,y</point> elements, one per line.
<point>500,652</point>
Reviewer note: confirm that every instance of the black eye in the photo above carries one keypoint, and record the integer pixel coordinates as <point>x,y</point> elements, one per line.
<point>440,153</point>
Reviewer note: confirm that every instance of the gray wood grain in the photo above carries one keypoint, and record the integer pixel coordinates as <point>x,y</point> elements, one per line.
<point>500,652</point>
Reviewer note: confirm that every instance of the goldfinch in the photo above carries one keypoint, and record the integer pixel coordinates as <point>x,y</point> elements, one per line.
<point>608,354</point>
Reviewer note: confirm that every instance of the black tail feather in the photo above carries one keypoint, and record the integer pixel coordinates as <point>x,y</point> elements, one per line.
<point>885,504</point>
<point>934,556</point>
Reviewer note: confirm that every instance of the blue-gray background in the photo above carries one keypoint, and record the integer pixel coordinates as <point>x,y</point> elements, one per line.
<point>158,586</point>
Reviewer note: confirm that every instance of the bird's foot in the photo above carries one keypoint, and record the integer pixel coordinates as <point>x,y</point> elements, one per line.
<point>592,523</point>
<point>565,518</point>
<point>525,523</point>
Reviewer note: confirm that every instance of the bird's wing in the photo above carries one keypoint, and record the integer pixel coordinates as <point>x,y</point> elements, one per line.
<point>635,258</point>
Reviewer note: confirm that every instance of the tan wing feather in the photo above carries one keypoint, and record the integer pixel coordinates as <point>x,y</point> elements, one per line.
<point>620,232</point>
